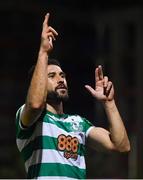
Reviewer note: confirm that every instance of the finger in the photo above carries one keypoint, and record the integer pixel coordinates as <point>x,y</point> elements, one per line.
<point>96,75</point>
<point>90,89</point>
<point>100,72</point>
<point>47,15</point>
<point>109,85</point>
<point>50,34</point>
<point>105,83</point>
<point>108,88</point>
<point>45,23</point>
<point>53,30</point>
<point>111,93</point>
<point>46,19</point>
<point>51,42</point>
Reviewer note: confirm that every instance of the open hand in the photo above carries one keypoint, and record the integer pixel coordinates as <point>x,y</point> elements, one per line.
<point>104,89</point>
<point>48,35</point>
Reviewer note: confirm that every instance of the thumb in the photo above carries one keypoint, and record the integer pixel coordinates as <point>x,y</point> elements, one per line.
<point>90,89</point>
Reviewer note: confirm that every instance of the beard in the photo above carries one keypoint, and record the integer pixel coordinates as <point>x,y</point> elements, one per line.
<point>57,96</point>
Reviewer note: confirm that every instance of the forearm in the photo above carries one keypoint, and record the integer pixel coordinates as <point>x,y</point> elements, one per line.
<point>37,92</point>
<point>118,132</point>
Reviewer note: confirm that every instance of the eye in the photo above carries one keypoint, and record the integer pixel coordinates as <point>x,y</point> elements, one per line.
<point>63,75</point>
<point>51,75</point>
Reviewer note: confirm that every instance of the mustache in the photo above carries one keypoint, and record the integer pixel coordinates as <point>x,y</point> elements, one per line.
<point>61,86</point>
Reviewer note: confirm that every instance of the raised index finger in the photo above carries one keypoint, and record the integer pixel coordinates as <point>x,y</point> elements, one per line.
<point>98,73</point>
<point>46,19</point>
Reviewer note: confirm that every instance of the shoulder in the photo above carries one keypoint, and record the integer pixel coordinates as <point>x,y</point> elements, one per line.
<point>82,122</point>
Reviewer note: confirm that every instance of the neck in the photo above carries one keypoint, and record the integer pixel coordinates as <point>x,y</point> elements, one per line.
<point>55,108</point>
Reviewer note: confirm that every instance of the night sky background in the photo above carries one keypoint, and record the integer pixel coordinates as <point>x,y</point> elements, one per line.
<point>87,37</point>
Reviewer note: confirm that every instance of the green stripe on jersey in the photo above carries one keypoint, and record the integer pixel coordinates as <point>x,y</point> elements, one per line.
<point>48,169</point>
<point>45,142</point>
<point>54,134</point>
<point>82,124</point>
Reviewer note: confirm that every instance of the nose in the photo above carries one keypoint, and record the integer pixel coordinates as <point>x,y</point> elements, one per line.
<point>60,79</point>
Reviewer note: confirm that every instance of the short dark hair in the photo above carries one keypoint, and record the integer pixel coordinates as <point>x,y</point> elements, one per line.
<point>51,61</point>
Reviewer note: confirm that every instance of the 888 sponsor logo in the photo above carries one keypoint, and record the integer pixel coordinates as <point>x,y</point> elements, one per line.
<point>69,145</point>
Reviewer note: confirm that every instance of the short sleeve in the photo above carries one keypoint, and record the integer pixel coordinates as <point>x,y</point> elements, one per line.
<point>87,126</point>
<point>21,132</point>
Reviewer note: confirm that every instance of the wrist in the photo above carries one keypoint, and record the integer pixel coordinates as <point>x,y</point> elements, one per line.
<point>43,52</point>
<point>109,104</point>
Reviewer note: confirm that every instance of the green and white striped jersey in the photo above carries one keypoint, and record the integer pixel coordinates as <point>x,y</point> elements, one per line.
<point>54,146</point>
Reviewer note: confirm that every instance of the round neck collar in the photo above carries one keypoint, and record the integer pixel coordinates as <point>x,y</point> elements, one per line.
<point>58,115</point>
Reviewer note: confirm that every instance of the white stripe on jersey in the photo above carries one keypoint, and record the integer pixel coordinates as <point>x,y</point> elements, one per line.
<point>53,156</point>
<point>55,177</point>
<point>50,130</point>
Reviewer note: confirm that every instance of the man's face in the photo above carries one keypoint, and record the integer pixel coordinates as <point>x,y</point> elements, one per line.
<point>57,85</point>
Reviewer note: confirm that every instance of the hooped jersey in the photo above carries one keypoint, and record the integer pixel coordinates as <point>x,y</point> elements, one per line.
<point>54,146</point>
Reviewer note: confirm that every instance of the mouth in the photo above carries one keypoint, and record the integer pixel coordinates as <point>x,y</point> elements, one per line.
<point>62,87</point>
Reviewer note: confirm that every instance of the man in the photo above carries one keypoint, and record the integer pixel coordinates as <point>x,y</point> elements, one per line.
<point>53,143</point>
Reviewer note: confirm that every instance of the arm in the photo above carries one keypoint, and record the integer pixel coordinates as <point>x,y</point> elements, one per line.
<point>37,93</point>
<point>116,138</point>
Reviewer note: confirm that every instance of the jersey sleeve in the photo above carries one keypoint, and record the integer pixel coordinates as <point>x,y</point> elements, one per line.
<point>21,131</point>
<point>87,126</point>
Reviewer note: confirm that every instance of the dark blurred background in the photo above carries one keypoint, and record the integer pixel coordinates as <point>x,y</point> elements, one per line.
<point>90,33</point>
